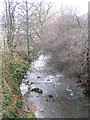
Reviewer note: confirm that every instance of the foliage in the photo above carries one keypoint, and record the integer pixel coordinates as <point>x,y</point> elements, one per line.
<point>13,72</point>
<point>18,69</point>
<point>30,115</point>
<point>30,70</point>
<point>14,69</point>
<point>7,98</point>
<point>19,104</point>
<point>10,114</point>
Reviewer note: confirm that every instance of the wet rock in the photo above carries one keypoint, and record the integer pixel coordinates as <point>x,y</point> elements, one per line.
<point>48,80</point>
<point>31,83</point>
<point>79,81</point>
<point>56,84</point>
<point>69,90</point>
<point>71,93</point>
<point>46,83</point>
<point>29,88</point>
<point>37,96</point>
<point>59,75</point>
<point>25,76</point>
<point>50,98</point>
<point>40,91</point>
<point>41,110</point>
<point>26,82</point>
<point>23,80</point>
<point>39,77</point>
<point>35,89</point>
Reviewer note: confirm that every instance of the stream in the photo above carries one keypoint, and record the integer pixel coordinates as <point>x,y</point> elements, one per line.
<point>51,93</point>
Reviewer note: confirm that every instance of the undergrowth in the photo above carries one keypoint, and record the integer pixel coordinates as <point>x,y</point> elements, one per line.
<point>13,70</point>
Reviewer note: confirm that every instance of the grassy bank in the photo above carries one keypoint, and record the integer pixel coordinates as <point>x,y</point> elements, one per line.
<point>13,70</point>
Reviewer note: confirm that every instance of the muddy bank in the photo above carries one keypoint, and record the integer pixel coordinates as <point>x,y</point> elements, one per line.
<point>60,97</point>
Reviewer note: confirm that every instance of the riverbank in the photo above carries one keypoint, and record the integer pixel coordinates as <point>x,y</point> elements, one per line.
<point>12,73</point>
<point>13,70</point>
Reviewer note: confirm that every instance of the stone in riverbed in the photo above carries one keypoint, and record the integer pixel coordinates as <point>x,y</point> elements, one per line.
<point>48,80</point>
<point>39,77</point>
<point>26,82</point>
<point>50,98</point>
<point>37,90</point>
<point>31,83</point>
<point>41,110</point>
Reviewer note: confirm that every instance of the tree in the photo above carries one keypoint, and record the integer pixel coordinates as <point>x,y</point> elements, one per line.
<point>9,24</point>
<point>32,16</point>
<point>88,50</point>
<point>25,18</point>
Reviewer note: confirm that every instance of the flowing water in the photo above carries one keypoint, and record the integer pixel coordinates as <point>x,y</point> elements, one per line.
<point>60,97</point>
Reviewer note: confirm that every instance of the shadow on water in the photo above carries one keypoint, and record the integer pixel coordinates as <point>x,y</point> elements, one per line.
<point>60,97</point>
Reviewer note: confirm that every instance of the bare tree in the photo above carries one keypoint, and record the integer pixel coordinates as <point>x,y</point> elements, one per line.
<point>9,23</point>
<point>88,50</point>
<point>32,16</point>
<point>25,18</point>
<point>27,27</point>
